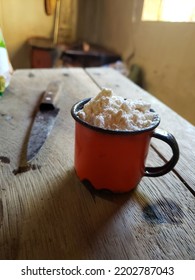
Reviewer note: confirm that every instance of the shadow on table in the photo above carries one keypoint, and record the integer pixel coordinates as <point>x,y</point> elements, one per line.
<point>70,220</point>
<point>72,223</point>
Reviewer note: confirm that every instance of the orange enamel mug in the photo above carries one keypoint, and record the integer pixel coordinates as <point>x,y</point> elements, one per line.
<point>115,160</point>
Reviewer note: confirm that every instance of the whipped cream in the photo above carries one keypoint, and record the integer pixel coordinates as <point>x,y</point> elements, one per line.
<point>116,113</point>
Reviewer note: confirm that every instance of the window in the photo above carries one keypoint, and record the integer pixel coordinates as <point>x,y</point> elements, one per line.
<point>169,10</point>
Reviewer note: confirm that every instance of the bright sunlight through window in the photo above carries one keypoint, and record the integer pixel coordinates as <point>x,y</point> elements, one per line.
<point>169,10</point>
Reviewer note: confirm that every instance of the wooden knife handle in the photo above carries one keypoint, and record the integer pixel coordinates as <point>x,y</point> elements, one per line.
<point>50,96</point>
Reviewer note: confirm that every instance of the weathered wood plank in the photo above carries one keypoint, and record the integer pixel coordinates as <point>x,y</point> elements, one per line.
<point>47,213</point>
<point>183,131</point>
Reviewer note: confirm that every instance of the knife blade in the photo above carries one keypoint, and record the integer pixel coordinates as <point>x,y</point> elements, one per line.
<point>44,120</point>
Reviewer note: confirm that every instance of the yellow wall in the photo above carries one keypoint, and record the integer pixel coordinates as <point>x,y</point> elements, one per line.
<point>20,20</point>
<point>165,51</point>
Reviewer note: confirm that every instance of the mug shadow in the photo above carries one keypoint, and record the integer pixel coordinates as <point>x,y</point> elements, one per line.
<point>68,222</point>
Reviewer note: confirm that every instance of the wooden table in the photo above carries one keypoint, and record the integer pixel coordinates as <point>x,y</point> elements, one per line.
<point>47,213</point>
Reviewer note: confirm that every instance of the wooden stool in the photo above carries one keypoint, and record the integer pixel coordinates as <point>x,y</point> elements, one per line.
<point>42,52</point>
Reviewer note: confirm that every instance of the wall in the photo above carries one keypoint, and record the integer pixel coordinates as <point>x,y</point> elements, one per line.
<point>165,51</point>
<point>107,23</point>
<point>19,21</point>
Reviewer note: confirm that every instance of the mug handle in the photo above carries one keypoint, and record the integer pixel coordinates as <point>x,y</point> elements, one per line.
<point>171,141</point>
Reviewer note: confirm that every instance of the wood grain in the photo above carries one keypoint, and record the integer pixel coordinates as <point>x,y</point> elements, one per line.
<point>49,214</point>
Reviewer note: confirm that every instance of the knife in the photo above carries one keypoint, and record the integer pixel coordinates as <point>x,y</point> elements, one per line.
<point>44,120</point>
